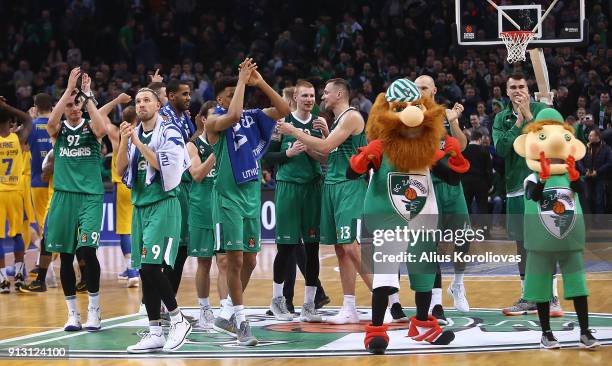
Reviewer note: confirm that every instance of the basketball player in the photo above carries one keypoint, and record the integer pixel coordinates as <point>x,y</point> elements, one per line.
<point>239,139</point>
<point>507,126</point>
<point>452,209</point>
<point>123,203</point>
<point>201,234</point>
<point>75,214</point>
<point>342,199</point>
<point>151,159</point>
<point>11,189</point>
<point>298,198</point>
<point>177,112</point>
<point>40,145</point>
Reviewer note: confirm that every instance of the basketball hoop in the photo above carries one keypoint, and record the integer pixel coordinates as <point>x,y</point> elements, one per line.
<point>516,44</point>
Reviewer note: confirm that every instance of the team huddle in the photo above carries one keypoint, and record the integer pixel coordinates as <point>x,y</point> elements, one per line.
<point>192,187</point>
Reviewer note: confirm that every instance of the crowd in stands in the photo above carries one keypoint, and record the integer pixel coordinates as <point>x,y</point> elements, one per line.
<point>121,43</point>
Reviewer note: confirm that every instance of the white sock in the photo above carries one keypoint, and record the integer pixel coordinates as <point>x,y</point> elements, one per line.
<point>128,260</point>
<point>240,315</point>
<point>3,275</point>
<point>176,316</point>
<point>203,301</point>
<point>522,288</point>
<point>94,300</point>
<point>458,280</point>
<point>394,299</point>
<point>436,296</point>
<point>71,303</point>
<point>156,329</point>
<point>18,267</point>
<point>555,291</point>
<point>349,302</point>
<point>277,289</point>
<point>228,309</point>
<point>309,294</point>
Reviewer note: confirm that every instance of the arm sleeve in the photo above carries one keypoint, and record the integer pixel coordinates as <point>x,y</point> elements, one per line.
<point>503,139</point>
<point>445,173</point>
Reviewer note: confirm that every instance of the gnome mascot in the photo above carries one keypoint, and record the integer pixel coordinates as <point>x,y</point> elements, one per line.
<point>554,224</point>
<point>404,132</point>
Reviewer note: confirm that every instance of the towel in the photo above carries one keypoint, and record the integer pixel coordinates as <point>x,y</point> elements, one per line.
<point>172,157</point>
<point>183,122</point>
<point>247,141</point>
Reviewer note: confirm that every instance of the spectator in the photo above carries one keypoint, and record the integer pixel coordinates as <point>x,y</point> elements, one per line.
<point>475,123</point>
<point>477,180</point>
<point>598,110</point>
<point>267,182</point>
<point>595,165</point>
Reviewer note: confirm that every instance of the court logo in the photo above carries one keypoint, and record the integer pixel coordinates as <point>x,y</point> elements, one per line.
<point>480,330</point>
<point>557,211</point>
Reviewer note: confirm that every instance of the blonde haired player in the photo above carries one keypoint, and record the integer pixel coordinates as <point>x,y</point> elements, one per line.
<point>11,205</point>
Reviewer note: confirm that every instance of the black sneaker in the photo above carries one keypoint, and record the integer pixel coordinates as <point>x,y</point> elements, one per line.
<point>81,286</point>
<point>438,313</point>
<point>321,301</point>
<point>19,281</point>
<point>588,341</point>
<point>549,341</point>
<point>5,287</point>
<point>398,313</point>
<point>34,271</point>
<point>34,286</point>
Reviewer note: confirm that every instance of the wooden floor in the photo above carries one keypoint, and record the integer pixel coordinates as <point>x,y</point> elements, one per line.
<point>25,314</point>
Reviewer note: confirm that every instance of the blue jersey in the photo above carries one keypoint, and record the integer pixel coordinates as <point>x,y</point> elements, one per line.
<point>182,121</point>
<point>40,145</point>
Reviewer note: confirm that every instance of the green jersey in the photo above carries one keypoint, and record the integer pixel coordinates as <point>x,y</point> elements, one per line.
<point>395,198</point>
<point>504,134</point>
<point>338,159</point>
<point>555,223</point>
<point>77,160</point>
<point>246,196</point>
<point>200,214</point>
<point>143,195</point>
<point>300,168</point>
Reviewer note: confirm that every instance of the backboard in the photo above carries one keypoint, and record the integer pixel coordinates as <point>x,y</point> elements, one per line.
<point>562,22</point>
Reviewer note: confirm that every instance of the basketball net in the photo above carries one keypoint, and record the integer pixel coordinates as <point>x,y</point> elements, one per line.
<point>516,43</point>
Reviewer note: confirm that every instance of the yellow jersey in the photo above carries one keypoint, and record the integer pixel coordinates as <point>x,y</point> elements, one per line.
<point>114,176</point>
<point>11,163</point>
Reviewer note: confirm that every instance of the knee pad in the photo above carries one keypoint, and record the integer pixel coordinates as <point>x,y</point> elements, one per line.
<point>19,244</point>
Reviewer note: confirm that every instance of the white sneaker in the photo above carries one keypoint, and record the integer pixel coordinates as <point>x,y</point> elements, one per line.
<point>388,317</point>
<point>50,279</point>
<point>142,310</point>
<point>279,309</point>
<point>344,316</point>
<point>457,292</point>
<point>177,335</point>
<point>207,318</point>
<point>74,322</point>
<point>151,342</point>
<point>94,320</point>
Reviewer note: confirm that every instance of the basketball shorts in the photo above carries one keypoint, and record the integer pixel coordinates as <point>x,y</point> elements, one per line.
<point>298,212</point>
<point>341,211</point>
<point>183,197</point>
<point>40,200</point>
<point>74,220</point>
<point>11,213</point>
<point>515,210</point>
<point>452,209</point>
<point>156,230</point>
<point>233,230</point>
<point>539,271</point>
